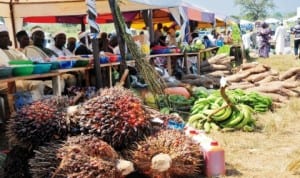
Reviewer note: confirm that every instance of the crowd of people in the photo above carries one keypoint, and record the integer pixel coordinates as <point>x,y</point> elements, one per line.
<point>261,39</point>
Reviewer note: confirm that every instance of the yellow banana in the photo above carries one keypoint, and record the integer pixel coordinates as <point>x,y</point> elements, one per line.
<point>224,116</point>
<point>247,116</point>
<point>214,126</point>
<point>248,128</point>
<point>195,117</point>
<point>235,118</point>
<point>206,127</point>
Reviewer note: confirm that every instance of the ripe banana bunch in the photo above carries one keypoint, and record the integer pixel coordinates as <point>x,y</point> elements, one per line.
<point>241,118</point>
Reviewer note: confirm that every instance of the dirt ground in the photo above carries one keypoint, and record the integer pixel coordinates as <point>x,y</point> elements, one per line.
<point>273,146</point>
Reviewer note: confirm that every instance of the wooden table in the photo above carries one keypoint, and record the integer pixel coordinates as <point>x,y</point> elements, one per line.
<point>56,84</point>
<point>54,74</point>
<point>110,66</point>
<point>184,55</point>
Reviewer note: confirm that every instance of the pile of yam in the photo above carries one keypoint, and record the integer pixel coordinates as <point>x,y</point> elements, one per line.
<point>211,71</point>
<point>261,78</point>
<point>219,65</point>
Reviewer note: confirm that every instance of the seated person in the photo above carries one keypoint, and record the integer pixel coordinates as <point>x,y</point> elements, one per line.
<point>23,39</point>
<point>85,41</point>
<point>71,44</point>
<point>37,51</point>
<point>104,43</point>
<point>59,48</point>
<point>59,45</point>
<point>207,42</point>
<point>7,54</point>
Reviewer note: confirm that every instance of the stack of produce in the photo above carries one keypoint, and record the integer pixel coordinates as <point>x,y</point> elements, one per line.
<point>266,81</point>
<point>211,70</point>
<point>213,113</point>
<point>207,81</point>
<point>169,153</point>
<point>219,65</point>
<point>80,156</point>
<point>116,116</point>
<point>38,122</point>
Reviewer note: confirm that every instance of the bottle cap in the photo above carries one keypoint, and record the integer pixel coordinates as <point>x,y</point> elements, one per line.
<point>214,143</point>
<point>193,132</point>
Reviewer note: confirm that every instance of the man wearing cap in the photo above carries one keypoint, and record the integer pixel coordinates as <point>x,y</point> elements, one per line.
<point>279,38</point>
<point>60,39</point>
<point>37,51</point>
<point>59,48</point>
<point>85,40</point>
<point>6,53</point>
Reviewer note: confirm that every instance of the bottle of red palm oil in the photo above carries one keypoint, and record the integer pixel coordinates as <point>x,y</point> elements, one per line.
<point>215,160</point>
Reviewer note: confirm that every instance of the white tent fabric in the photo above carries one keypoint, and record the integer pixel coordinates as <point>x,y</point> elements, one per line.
<point>272,20</point>
<point>245,22</point>
<point>292,19</point>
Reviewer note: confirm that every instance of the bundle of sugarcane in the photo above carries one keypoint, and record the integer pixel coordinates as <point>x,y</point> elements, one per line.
<point>152,78</point>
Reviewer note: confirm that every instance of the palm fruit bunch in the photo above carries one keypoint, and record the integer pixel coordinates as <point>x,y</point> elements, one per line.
<point>116,116</point>
<point>79,156</point>
<point>38,122</point>
<point>168,152</point>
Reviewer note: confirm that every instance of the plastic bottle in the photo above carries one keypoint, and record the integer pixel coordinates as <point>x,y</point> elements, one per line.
<point>214,160</point>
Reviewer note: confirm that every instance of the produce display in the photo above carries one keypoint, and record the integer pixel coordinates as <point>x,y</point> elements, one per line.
<point>39,122</point>
<point>266,81</point>
<point>211,71</point>
<point>80,156</point>
<point>169,153</point>
<point>213,112</point>
<point>116,116</point>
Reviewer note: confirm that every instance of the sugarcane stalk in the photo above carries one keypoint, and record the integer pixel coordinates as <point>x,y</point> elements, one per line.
<point>152,78</point>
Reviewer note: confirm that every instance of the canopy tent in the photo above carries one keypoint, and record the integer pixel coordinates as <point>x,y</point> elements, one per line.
<point>78,19</point>
<point>272,20</point>
<point>292,19</point>
<point>165,17</point>
<point>13,11</point>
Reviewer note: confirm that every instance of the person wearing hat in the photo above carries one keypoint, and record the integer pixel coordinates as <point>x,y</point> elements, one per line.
<point>58,47</point>
<point>84,40</point>
<point>37,51</point>
<point>296,32</point>
<point>279,38</point>
<point>6,53</point>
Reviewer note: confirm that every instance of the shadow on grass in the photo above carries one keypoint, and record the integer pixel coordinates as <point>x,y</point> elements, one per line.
<point>232,171</point>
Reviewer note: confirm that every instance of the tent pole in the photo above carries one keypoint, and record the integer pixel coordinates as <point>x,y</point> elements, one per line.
<point>13,23</point>
<point>92,14</point>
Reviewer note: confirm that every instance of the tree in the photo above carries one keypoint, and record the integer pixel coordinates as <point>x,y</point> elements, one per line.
<point>255,9</point>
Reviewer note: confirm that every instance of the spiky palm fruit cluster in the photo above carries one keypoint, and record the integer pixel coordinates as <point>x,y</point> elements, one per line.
<point>185,155</point>
<point>80,156</point>
<point>116,116</point>
<point>38,122</point>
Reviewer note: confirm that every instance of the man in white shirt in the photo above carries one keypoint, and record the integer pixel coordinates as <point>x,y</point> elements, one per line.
<point>60,39</point>
<point>279,38</point>
<point>6,53</point>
